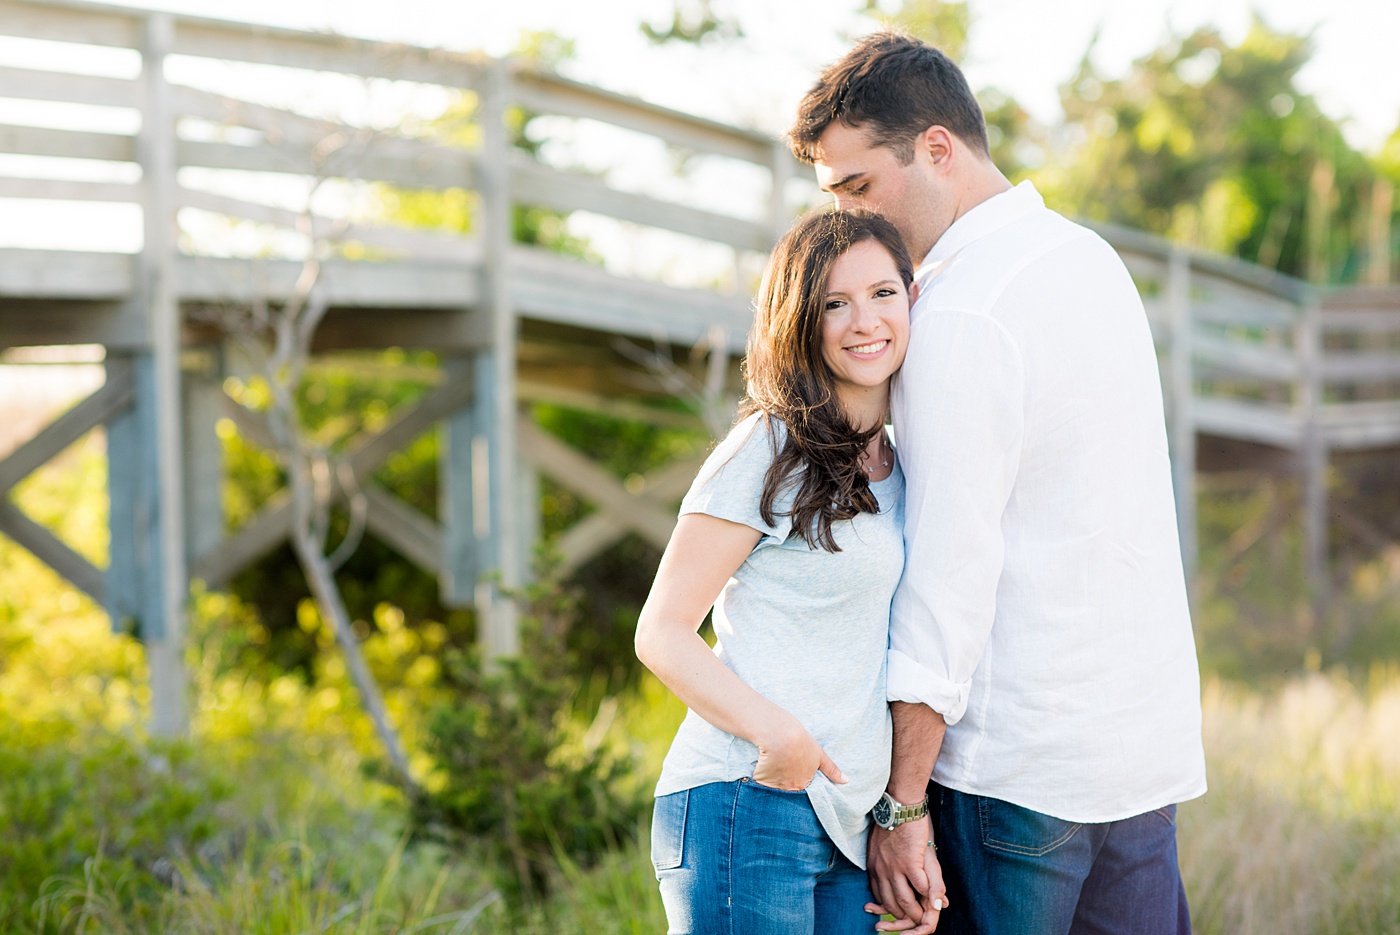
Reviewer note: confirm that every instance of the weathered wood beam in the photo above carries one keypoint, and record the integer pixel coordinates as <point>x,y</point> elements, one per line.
<point>572,191</point>
<point>418,244</point>
<point>548,287</point>
<point>1370,424</point>
<point>93,411</point>
<point>538,391</point>
<point>576,472</point>
<point>69,144</point>
<point>65,274</point>
<point>316,51</point>
<point>268,529</point>
<point>35,85</point>
<point>90,24</point>
<point>1245,358</point>
<point>414,535</point>
<point>422,167</point>
<point>164,634</point>
<point>69,190</point>
<point>547,93</point>
<point>596,532</point>
<point>1266,423</point>
<point>407,425</point>
<point>46,547</point>
<point>418,537</point>
<point>345,283</point>
<point>41,322</point>
<point>253,426</point>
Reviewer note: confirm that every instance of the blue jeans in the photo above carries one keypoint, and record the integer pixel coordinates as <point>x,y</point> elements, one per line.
<point>1014,871</point>
<point>739,858</point>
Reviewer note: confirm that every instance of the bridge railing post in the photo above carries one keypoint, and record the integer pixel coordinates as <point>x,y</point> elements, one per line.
<point>164,634</point>
<point>1314,456</point>
<point>1181,408</point>
<point>495,461</point>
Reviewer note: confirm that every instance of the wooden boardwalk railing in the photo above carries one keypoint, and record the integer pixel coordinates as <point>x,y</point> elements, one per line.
<point>1246,353</point>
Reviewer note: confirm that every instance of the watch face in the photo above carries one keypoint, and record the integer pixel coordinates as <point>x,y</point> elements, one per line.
<point>881,812</point>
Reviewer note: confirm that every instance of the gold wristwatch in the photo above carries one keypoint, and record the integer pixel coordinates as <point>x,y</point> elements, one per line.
<point>889,813</point>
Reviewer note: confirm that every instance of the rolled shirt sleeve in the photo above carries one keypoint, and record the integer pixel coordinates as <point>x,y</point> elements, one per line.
<point>958,410</point>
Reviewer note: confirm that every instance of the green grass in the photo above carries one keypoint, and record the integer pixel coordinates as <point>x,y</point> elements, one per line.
<point>265,822</point>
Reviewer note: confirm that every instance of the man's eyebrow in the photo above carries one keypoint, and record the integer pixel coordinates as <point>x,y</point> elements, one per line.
<point>842,182</point>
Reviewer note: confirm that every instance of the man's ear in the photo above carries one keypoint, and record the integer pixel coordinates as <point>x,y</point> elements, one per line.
<point>937,143</point>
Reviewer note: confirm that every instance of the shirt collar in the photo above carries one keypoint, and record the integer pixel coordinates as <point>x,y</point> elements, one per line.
<point>991,215</point>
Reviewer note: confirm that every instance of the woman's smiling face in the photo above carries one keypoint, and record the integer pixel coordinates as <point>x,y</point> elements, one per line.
<point>865,319</point>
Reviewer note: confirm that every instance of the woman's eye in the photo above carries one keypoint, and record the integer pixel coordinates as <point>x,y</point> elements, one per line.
<point>833,305</point>
<point>882,293</point>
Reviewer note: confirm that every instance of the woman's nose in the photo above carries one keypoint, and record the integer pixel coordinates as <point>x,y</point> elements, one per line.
<point>862,318</point>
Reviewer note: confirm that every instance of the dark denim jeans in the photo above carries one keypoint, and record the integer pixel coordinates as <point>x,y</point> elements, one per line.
<point>1014,871</point>
<point>738,858</point>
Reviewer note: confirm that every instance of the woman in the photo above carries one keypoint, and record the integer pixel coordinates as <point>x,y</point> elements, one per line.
<point>793,532</point>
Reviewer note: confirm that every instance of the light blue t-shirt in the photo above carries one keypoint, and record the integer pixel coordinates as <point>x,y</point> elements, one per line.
<point>805,628</point>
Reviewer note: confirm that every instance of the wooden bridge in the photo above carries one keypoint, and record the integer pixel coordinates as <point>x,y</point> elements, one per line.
<point>1247,355</point>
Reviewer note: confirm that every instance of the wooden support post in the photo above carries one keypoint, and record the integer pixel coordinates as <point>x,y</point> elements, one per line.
<point>1181,409</point>
<point>204,454</point>
<point>494,457</point>
<point>527,515</point>
<point>458,568</point>
<point>132,591</point>
<point>164,634</point>
<point>1314,456</point>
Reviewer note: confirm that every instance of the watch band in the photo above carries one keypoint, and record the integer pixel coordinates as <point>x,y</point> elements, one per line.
<point>890,813</point>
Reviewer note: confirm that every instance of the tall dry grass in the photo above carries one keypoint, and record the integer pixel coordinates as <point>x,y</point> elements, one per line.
<point>1300,832</point>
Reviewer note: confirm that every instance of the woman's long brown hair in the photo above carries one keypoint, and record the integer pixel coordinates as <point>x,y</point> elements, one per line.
<point>788,379</point>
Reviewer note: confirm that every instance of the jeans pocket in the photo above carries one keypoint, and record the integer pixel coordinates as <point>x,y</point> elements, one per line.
<point>755,784</point>
<point>1012,829</point>
<point>1167,812</point>
<point>668,830</point>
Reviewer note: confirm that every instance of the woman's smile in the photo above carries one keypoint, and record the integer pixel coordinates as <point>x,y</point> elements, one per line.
<point>870,350</point>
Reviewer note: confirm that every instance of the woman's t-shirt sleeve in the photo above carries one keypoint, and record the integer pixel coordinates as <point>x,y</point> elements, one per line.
<point>730,484</point>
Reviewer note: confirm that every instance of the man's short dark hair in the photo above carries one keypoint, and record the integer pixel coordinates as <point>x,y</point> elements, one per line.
<point>894,87</point>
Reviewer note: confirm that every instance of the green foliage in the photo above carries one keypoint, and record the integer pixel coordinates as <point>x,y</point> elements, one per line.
<point>511,765</point>
<point>67,794</point>
<point>341,399</point>
<point>941,23</point>
<point>694,22</point>
<point>1214,145</point>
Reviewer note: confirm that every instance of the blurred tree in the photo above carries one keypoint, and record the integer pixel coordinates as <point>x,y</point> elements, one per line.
<point>694,22</point>
<point>1214,145</point>
<point>940,23</point>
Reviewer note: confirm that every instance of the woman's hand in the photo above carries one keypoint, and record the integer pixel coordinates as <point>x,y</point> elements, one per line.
<point>788,757</point>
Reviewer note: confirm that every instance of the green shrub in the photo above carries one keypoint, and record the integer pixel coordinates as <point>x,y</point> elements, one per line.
<point>68,796</point>
<point>514,765</point>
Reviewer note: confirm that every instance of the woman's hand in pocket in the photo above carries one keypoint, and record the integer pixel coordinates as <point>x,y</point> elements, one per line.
<point>788,758</point>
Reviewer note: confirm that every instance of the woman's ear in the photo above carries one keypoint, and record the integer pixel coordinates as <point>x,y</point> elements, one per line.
<point>913,292</point>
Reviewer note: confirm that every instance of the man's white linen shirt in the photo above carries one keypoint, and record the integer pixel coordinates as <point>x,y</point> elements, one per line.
<point>1043,608</point>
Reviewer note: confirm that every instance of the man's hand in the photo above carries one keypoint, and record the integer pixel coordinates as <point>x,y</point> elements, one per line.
<point>905,878</point>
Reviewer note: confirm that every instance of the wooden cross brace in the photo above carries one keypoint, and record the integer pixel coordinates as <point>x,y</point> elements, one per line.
<point>114,397</point>
<point>647,512</point>
<point>418,537</point>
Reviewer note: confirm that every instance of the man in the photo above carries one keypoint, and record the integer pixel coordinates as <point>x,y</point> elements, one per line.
<point>1042,669</point>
